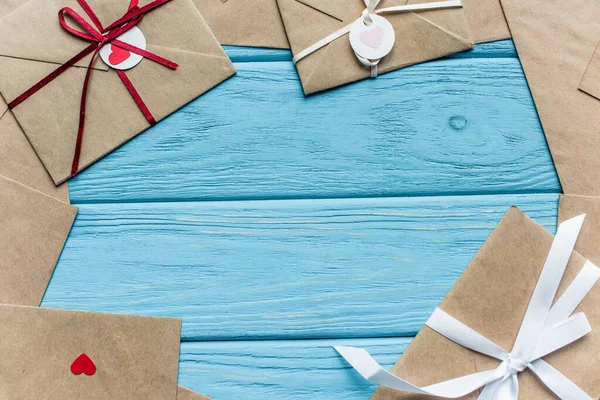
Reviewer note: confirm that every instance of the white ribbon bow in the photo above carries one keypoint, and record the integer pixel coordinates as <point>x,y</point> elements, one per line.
<point>366,18</point>
<point>545,329</point>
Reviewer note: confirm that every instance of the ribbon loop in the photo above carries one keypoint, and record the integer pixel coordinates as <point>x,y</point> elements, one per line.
<point>545,329</point>
<point>89,33</point>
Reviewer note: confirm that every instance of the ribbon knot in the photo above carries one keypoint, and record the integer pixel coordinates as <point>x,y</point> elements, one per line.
<point>99,36</point>
<point>514,366</point>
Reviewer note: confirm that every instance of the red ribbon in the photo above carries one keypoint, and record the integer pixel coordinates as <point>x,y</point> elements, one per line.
<point>100,36</point>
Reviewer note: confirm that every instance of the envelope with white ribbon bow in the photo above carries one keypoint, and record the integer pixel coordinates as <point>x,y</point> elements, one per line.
<point>394,34</point>
<point>522,322</point>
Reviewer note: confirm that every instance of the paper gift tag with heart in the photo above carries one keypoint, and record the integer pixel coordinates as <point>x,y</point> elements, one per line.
<point>373,41</point>
<point>118,58</point>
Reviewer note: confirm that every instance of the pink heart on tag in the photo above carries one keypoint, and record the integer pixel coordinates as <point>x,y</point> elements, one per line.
<point>373,37</point>
<point>118,55</point>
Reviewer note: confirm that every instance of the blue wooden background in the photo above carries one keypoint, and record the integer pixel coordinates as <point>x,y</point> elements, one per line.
<point>277,225</point>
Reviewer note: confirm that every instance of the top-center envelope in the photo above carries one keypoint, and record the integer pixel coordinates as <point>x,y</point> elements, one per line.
<point>399,33</point>
<point>166,57</point>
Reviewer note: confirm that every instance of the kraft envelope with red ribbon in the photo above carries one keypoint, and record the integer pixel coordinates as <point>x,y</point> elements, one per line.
<point>72,106</point>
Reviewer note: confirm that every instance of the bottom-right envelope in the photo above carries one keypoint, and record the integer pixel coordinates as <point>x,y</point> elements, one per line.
<point>491,297</point>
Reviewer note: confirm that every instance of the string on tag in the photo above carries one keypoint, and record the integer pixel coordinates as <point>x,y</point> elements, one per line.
<point>367,19</point>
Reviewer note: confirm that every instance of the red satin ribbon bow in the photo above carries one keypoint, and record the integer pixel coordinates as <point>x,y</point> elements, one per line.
<point>100,36</point>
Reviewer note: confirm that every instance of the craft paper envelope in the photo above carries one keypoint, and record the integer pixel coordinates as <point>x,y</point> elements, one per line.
<point>19,162</point>
<point>555,40</point>
<point>254,23</point>
<point>486,20</point>
<point>33,230</point>
<point>589,238</point>
<point>135,358</point>
<point>33,44</point>
<point>420,36</point>
<point>187,394</point>
<point>491,297</point>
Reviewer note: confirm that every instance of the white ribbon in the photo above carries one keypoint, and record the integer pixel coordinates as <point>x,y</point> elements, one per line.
<point>545,329</point>
<point>366,18</point>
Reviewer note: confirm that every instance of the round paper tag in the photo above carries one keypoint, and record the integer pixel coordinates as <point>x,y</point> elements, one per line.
<point>118,58</point>
<point>374,41</point>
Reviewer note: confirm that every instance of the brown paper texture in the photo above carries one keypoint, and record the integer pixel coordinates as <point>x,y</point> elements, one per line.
<point>589,238</point>
<point>34,228</point>
<point>33,43</point>
<point>486,20</point>
<point>420,37</point>
<point>187,394</point>
<point>555,41</point>
<point>491,297</point>
<point>19,162</point>
<point>136,358</point>
<point>590,81</point>
<point>255,23</point>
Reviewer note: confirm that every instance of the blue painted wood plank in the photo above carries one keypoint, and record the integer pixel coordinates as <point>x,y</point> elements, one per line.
<point>503,48</point>
<point>279,269</point>
<point>291,370</point>
<point>465,126</point>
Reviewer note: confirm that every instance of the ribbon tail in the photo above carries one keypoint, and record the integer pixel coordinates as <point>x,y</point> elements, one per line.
<point>545,290</point>
<point>366,366</point>
<point>557,382</point>
<point>502,389</point>
<point>82,108</point>
<point>562,335</point>
<point>136,97</point>
<point>574,295</point>
<point>451,328</point>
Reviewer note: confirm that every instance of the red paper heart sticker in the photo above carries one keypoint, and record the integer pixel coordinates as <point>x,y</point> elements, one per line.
<point>118,55</point>
<point>83,365</point>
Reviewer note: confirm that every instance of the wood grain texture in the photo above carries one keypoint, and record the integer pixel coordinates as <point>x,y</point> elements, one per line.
<point>461,126</point>
<point>291,370</point>
<point>279,269</point>
<point>150,240</point>
<point>503,48</point>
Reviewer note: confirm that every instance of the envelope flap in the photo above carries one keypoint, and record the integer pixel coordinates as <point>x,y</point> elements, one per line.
<point>187,394</point>
<point>179,25</point>
<point>338,9</point>
<point>590,82</point>
<point>245,23</point>
<point>19,161</point>
<point>8,6</point>
<point>308,21</point>
<point>3,107</point>
<point>32,32</point>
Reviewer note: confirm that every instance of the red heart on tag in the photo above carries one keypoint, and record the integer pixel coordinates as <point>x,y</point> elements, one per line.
<point>83,365</point>
<point>373,37</point>
<point>118,55</point>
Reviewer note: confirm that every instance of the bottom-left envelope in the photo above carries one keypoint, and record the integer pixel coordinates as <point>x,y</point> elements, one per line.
<point>71,355</point>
